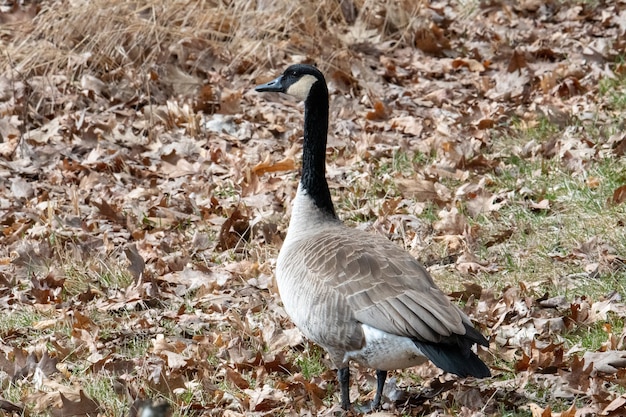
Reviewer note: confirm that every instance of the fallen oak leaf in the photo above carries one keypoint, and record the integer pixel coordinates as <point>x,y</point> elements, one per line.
<point>234,230</point>
<point>569,87</point>
<point>608,362</point>
<point>137,263</point>
<point>264,399</point>
<point>619,147</point>
<point>10,407</point>
<point>517,61</point>
<point>286,164</point>
<point>619,195</point>
<point>407,124</point>
<point>110,212</point>
<point>23,365</point>
<point>236,378</point>
<point>174,360</point>
<point>431,40</point>
<point>47,364</point>
<point>486,124</point>
<point>90,83</point>
<point>21,189</point>
<point>85,406</point>
<point>423,190</point>
<point>315,393</point>
<point>380,112</point>
<point>618,404</point>
<point>478,163</point>
<point>472,290</point>
<point>542,205</point>
<point>485,202</point>
<point>471,64</point>
<point>578,377</point>
<point>537,411</point>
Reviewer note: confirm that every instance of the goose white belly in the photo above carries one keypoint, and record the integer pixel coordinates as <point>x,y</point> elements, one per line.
<point>385,351</point>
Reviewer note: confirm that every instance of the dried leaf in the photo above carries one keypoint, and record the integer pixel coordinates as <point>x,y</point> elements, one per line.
<point>137,264</point>
<point>236,378</point>
<point>608,362</point>
<point>287,164</point>
<point>84,406</point>
<point>517,62</point>
<point>380,112</point>
<point>542,205</point>
<point>236,229</point>
<point>10,407</point>
<point>617,405</point>
<point>619,195</point>
<point>21,189</point>
<point>470,64</point>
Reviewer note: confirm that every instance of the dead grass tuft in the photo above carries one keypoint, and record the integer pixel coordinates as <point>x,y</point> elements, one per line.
<point>101,37</point>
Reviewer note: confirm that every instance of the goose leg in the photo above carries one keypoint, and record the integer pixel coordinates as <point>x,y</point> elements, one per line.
<point>344,384</point>
<point>381,376</point>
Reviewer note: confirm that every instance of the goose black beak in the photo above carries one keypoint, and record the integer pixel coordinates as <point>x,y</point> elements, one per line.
<point>275,85</point>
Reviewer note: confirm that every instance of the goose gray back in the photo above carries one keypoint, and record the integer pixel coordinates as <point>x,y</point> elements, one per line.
<point>356,294</point>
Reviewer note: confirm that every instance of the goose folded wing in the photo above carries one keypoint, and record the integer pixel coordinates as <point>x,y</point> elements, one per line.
<point>388,289</point>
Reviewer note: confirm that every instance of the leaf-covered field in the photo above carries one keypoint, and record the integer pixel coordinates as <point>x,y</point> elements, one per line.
<point>145,190</point>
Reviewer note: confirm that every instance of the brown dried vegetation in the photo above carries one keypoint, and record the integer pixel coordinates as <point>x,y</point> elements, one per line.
<point>145,191</point>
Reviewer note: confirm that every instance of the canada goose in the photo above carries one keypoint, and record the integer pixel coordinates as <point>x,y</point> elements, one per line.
<point>356,294</point>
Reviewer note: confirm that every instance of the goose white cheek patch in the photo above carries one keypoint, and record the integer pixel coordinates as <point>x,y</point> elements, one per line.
<point>300,89</point>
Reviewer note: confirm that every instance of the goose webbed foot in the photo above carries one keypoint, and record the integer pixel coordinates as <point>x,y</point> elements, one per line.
<point>343,375</point>
<point>375,404</point>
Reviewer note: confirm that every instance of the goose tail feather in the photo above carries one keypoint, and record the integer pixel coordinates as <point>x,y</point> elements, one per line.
<point>454,359</point>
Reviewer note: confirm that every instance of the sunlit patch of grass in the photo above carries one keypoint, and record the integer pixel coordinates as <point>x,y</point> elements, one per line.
<point>12,392</point>
<point>20,319</point>
<point>311,361</point>
<point>614,90</point>
<point>226,190</point>
<point>409,374</point>
<point>420,158</point>
<point>362,194</point>
<point>378,185</point>
<point>588,4</point>
<point>95,273</point>
<point>592,337</point>
<point>539,129</point>
<point>192,397</point>
<point>101,389</point>
<point>401,162</point>
<point>26,320</point>
<point>504,412</point>
<point>115,279</point>
<point>135,346</point>
<point>542,241</point>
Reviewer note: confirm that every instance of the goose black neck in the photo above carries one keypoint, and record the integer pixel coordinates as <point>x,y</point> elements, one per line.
<point>314,148</point>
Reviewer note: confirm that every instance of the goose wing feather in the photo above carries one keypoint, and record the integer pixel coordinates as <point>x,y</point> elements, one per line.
<point>385,287</point>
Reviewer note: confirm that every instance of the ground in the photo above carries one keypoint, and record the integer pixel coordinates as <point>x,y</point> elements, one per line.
<point>145,190</point>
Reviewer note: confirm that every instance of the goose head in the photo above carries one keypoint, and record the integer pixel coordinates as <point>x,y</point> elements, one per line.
<point>306,83</point>
<point>298,81</point>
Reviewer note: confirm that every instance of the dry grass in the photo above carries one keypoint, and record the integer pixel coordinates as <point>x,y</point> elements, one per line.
<point>101,37</point>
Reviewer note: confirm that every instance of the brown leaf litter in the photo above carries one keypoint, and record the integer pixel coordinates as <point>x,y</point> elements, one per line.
<point>145,192</point>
